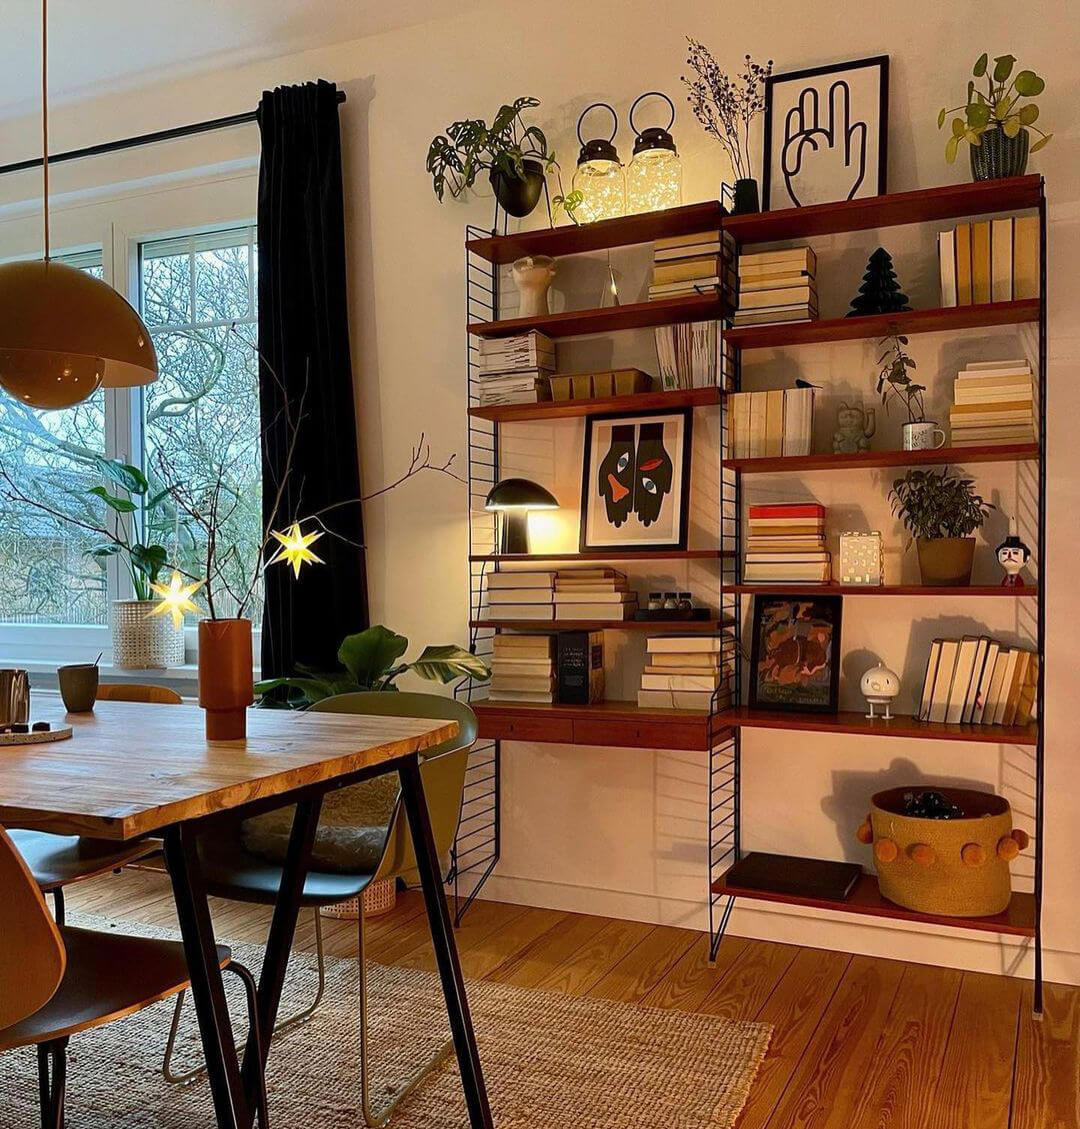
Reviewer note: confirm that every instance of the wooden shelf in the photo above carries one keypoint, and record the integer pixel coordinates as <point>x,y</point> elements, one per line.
<point>676,626</point>
<point>1018,920</point>
<point>564,409</point>
<point>881,590</point>
<point>574,240</point>
<point>614,555</point>
<point>796,464</point>
<point>980,198</point>
<point>947,319</point>
<point>851,721</point>
<point>637,315</point>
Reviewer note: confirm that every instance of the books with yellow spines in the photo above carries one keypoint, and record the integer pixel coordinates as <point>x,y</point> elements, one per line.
<point>980,261</point>
<point>943,679</point>
<point>544,611</point>
<point>1001,260</point>
<point>978,705</point>
<point>507,578</point>
<point>997,680</point>
<point>700,700</point>
<point>1001,706</point>
<point>502,680</point>
<point>1026,257</point>
<point>1020,673</point>
<point>595,596</point>
<point>783,296</point>
<point>790,280</point>
<point>667,242</point>
<point>961,682</point>
<point>801,314</point>
<point>774,423</point>
<point>802,258</point>
<point>684,644</point>
<point>963,264</point>
<point>692,662</point>
<point>1025,704</point>
<point>522,646</point>
<point>669,681</point>
<point>682,270</point>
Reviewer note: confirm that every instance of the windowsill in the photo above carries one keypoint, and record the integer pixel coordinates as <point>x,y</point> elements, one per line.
<point>182,679</point>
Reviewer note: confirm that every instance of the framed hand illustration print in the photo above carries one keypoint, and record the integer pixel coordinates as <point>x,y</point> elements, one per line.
<point>635,481</point>
<point>826,134</point>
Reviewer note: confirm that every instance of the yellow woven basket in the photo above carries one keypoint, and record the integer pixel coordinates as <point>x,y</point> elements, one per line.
<point>953,867</point>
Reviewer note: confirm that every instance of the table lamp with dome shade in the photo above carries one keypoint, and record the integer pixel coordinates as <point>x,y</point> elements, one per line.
<point>513,498</point>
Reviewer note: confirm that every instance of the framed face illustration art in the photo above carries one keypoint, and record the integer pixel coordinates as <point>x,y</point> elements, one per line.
<point>795,653</point>
<point>826,134</point>
<point>635,481</point>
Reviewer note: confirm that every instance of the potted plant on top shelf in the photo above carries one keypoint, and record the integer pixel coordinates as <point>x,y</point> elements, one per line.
<point>994,123</point>
<point>941,512</point>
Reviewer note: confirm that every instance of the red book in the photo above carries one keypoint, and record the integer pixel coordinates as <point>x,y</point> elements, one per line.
<point>795,509</point>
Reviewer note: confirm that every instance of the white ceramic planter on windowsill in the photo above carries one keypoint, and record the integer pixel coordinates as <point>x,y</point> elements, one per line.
<point>142,641</point>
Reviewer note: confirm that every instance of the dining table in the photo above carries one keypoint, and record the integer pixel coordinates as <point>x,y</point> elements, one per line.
<point>135,770</point>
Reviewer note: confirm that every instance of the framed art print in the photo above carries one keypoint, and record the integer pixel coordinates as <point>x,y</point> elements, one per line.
<point>795,653</point>
<point>826,134</point>
<point>635,481</point>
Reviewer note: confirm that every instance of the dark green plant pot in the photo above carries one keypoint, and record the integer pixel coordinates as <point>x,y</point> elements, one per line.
<point>999,155</point>
<point>746,197</point>
<point>945,562</point>
<point>518,195</point>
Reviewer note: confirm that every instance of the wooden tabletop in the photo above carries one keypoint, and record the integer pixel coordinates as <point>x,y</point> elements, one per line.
<point>133,768</point>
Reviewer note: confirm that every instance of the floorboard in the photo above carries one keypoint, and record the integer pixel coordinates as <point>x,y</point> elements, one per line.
<point>1047,1090</point>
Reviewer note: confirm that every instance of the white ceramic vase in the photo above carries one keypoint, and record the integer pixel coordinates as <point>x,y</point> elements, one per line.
<point>532,276</point>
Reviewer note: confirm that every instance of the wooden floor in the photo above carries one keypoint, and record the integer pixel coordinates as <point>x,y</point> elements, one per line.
<point>858,1042</point>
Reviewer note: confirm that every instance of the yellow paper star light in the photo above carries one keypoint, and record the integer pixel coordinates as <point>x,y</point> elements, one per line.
<point>176,598</point>
<point>294,547</point>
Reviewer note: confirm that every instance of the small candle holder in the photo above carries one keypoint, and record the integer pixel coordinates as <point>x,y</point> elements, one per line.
<point>862,559</point>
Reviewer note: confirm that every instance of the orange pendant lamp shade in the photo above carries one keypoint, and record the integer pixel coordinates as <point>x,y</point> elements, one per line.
<point>64,333</point>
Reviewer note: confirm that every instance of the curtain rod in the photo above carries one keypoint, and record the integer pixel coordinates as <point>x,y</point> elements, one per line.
<point>141,139</point>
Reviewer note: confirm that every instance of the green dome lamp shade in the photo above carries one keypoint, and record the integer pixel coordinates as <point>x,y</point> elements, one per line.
<point>514,498</point>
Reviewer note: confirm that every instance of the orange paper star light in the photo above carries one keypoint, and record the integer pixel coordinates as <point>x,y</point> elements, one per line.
<point>294,548</point>
<point>176,598</point>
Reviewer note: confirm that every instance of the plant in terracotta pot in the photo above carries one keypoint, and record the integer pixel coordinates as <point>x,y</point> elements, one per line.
<point>941,512</point>
<point>996,122</point>
<point>514,154</point>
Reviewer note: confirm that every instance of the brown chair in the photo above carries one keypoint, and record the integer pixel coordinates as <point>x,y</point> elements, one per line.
<point>56,982</point>
<point>57,861</point>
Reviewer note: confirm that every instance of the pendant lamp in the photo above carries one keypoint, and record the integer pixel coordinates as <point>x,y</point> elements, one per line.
<point>64,333</point>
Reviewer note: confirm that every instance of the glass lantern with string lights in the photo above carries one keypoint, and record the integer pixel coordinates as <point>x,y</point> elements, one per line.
<point>600,177</point>
<point>654,178</point>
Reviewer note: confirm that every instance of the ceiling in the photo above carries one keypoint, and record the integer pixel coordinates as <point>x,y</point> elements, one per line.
<point>100,45</point>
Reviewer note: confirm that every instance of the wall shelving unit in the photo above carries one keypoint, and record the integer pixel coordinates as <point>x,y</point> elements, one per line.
<point>718,732</point>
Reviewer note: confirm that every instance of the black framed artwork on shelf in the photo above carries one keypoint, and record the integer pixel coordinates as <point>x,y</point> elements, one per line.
<point>795,653</point>
<point>826,134</point>
<point>635,481</point>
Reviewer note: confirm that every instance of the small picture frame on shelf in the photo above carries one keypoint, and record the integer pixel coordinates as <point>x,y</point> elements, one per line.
<point>635,481</point>
<point>795,653</point>
<point>826,134</point>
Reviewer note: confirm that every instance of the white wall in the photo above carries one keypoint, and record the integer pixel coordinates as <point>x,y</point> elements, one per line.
<point>622,831</point>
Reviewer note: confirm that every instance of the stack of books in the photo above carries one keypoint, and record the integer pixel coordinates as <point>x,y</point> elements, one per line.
<point>693,355</point>
<point>777,286</point>
<point>766,425</point>
<point>522,669</point>
<point>511,368</point>
<point>978,681</point>
<point>989,261</point>
<point>683,672</point>
<point>787,543</point>
<point>993,404</point>
<point>520,595</point>
<point>593,594</point>
<point>692,264</point>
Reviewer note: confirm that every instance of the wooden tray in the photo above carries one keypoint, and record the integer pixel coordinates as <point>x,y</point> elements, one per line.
<point>57,733</point>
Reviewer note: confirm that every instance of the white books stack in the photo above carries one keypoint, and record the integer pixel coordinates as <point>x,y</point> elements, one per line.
<point>766,425</point>
<point>510,368</point>
<point>520,595</point>
<point>993,404</point>
<point>683,672</point>
<point>777,286</point>
<point>522,669</point>
<point>787,543</point>
<point>691,264</point>
<point>693,355</point>
<point>979,681</point>
<point>593,594</point>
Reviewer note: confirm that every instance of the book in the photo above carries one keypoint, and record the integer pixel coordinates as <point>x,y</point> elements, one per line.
<point>994,370</point>
<point>947,266</point>
<point>1026,264</point>
<point>993,694</point>
<point>684,644</point>
<point>1012,661</point>
<point>815,880</point>
<point>680,681</point>
<point>706,266</point>
<point>961,680</point>
<point>963,264</point>
<point>798,436</point>
<point>786,296</point>
<point>788,510</point>
<point>980,261</point>
<point>740,425</point>
<point>519,611</point>
<point>792,558</point>
<point>757,425</point>
<point>683,661</point>
<point>569,574</point>
<point>592,596</point>
<point>774,319</point>
<point>928,680</point>
<point>522,666</point>
<point>943,679</point>
<point>983,689</point>
<point>801,573</point>
<point>774,423</point>
<point>522,646</point>
<point>1025,705</point>
<point>804,257</point>
<point>1001,260</point>
<point>612,612</point>
<point>519,596</point>
<point>512,579</point>
<point>1023,661</point>
<point>543,683</point>
<point>580,667</point>
<point>669,241</point>
<point>533,697</point>
<point>699,284</point>
<point>687,251</point>
<point>970,701</point>
<point>677,700</point>
<point>753,284</point>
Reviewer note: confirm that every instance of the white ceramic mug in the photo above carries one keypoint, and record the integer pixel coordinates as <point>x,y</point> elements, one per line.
<point>923,436</point>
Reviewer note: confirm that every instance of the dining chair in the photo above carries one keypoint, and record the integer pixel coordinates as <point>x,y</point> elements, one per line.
<point>363,837</point>
<point>57,861</point>
<point>56,982</point>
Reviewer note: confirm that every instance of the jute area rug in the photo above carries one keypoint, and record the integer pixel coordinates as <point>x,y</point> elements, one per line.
<point>550,1061</point>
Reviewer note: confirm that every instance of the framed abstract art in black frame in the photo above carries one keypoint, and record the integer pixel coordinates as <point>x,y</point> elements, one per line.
<point>635,481</point>
<point>826,134</point>
<point>795,653</point>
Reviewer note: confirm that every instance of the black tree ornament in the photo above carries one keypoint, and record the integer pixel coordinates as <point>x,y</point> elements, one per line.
<point>880,292</point>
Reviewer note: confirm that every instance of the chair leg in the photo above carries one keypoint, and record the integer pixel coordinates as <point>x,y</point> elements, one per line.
<point>251,990</point>
<point>58,903</point>
<point>291,1021</point>
<point>52,1082</point>
<point>373,1119</point>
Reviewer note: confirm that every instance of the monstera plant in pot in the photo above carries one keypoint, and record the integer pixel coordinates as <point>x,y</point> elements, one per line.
<point>514,154</point>
<point>941,512</point>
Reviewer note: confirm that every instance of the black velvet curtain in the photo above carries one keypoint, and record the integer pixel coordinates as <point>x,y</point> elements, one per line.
<point>304,342</point>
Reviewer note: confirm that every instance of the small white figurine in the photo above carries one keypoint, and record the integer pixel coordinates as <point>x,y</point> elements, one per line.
<point>532,276</point>
<point>879,686</point>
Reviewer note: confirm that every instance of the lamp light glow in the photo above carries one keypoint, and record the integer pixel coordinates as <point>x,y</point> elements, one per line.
<point>176,598</point>
<point>294,547</point>
<point>600,177</point>
<point>654,178</point>
<point>514,498</point>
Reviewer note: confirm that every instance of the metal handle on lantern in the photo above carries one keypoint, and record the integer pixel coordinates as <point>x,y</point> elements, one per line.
<point>614,120</point>
<point>652,94</point>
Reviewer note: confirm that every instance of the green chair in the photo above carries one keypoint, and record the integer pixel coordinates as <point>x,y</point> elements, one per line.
<point>363,837</point>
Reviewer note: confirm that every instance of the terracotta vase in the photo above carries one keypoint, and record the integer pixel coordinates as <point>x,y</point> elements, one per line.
<point>225,677</point>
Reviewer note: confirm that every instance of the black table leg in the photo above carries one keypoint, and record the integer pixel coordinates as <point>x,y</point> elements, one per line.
<point>442,935</point>
<point>189,889</point>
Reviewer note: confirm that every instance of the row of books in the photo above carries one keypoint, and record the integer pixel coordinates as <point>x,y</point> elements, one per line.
<point>683,672</point>
<point>693,355</point>
<point>993,404</point>
<point>568,594</point>
<point>522,669</point>
<point>771,424</point>
<point>979,681</point>
<point>786,542</point>
<point>692,264</point>
<point>777,286</point>
<point>510,368</point>
<point>989,261</point>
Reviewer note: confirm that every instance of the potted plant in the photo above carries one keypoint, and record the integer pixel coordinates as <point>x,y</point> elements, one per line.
<point>941,512</point>
<point>514,154</point>
<point>894,385</point>
<point>995,123</point>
